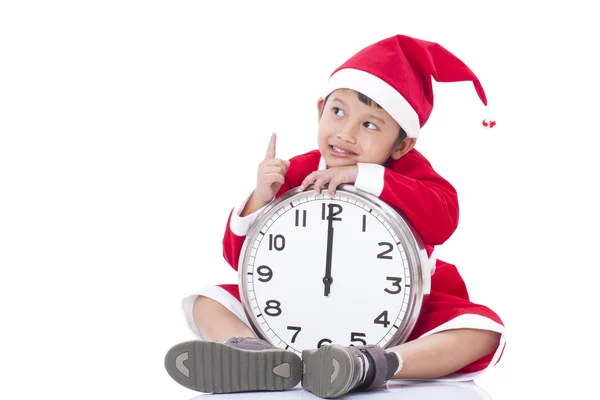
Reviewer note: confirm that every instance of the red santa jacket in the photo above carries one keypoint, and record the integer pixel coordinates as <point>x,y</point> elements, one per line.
<point>430,203</point>
<point>408,184</point>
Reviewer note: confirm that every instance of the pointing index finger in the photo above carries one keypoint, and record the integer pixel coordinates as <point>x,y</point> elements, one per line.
<point>271,148</point>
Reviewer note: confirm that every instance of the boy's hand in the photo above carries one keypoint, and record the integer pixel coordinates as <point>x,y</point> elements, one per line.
<point>334,176</point>
<point>271,173</point>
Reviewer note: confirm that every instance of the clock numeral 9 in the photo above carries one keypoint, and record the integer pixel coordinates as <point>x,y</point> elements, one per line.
<point>273,308</point>
<point>383,253</point>
<point>278,242</point>
<point>382,319</point>
<point>264,271</point>
<point>356,337</point>
<point>395,284</point>
<point>297,329</point>
<point>323,341</point>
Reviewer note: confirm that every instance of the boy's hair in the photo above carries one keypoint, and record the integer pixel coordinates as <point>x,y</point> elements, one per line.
<point>371,103</point>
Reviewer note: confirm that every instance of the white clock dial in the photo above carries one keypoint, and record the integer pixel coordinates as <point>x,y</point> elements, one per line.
<point>321,270</point>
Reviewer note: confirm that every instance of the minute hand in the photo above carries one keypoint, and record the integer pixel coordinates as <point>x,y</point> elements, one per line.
<point>328,279</point>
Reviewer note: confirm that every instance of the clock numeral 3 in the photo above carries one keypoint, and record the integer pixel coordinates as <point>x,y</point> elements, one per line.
<point>278,242</point>
<point>264,271</point>
<point>382,319</point>
<point>297,329</point>
<point>273,308</point>
<point>395,284</point>
<point>383,253</point>
<point>356,337</point>
<point>323,341</point>
<point>303,218</point>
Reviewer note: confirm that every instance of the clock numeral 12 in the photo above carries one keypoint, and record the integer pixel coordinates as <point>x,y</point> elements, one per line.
<point>332,213</point>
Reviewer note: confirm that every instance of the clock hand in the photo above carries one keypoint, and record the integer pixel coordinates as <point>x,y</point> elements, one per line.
<point>328,279</point>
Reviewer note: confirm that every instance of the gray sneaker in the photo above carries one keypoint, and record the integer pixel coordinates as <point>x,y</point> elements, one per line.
<point>333,370</point>
<point>239,365</point>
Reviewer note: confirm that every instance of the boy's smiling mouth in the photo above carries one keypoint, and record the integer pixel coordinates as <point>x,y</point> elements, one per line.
<point>340,151</point>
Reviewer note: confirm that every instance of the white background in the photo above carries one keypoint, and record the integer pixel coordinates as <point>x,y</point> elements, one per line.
<point>128,130</point>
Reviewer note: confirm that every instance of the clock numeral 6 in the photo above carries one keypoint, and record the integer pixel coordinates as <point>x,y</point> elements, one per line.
<point>273,308</point>
<point>265,272</point>
<point>383,253</point>
<point>297,329</point>
<point>382,319</point>
<point>395,284</point>
<point>278,242</point>
<point>323,341</point>
<point>356,337</point>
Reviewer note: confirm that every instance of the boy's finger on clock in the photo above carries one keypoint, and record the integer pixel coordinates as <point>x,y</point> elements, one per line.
<point>307,181</point>
<point>271,147</point>
<point>319,183</point>
<point>333,184</point>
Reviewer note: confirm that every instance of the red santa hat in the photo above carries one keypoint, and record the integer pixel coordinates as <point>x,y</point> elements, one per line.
<point>396,73</point>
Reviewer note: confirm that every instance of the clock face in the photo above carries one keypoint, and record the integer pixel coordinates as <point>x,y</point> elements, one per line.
<point>323,270</point>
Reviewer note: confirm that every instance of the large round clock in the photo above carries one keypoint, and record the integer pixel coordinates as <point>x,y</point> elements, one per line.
<point>347,269</point>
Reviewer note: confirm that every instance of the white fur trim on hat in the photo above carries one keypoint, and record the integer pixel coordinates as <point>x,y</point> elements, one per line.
<point>381,92</point>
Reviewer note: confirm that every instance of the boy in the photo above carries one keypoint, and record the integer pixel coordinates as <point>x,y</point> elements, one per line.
<point>368,124</point>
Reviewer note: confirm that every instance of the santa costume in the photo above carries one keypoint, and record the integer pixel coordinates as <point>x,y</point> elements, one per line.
<point>396,73</point>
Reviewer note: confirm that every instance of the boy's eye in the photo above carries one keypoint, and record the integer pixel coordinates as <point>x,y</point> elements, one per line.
<point>370,125</point>
<point>337,111</point>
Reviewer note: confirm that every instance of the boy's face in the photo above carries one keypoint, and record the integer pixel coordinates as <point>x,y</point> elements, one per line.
<point>351,131</point>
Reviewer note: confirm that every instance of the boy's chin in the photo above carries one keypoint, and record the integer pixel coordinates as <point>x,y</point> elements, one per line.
<point>337,162</point>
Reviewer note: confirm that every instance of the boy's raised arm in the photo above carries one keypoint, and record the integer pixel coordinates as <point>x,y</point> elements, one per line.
<point>269,183</point>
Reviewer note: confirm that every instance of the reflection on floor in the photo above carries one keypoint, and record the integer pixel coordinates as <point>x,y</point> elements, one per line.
<point>394,390</point>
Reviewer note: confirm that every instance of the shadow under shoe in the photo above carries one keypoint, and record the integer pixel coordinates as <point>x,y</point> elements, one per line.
<point>238,365</point>
<point>334,370</point>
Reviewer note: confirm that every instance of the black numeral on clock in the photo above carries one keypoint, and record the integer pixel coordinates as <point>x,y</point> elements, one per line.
<point>273,308</point>
<point>383,253</point>
<point>357,337</point>
<point>265,272</point>
<point>334,209</point>
<point>364,223</point>
<point>303,218</point>
<point>382,319</point>
<point>396,284</point>
<point>297,329</point>
<point>323,341</point>
<point>277,242</point>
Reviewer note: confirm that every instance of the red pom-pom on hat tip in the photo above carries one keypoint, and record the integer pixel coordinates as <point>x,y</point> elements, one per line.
<point>489,122</point>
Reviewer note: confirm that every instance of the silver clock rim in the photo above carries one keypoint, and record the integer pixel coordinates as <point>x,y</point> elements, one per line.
<point>420,271</point>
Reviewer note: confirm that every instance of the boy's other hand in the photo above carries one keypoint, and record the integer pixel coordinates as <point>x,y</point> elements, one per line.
<point>333,176</point>
<point>271,173</point>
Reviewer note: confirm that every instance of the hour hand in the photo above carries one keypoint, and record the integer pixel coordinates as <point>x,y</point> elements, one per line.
<point>327,280</point>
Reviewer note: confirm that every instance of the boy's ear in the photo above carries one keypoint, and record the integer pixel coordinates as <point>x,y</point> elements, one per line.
<point>403,148</point>
<point>320,106</point>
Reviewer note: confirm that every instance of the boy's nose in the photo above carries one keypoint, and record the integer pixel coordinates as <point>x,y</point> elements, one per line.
<point>347,134</point>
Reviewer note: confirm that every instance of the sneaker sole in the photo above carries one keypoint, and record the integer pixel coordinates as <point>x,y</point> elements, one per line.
<point>212,367</point>
<point>328,371</point>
